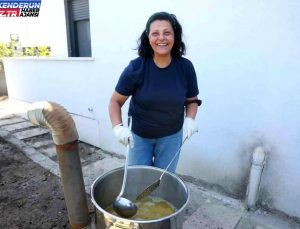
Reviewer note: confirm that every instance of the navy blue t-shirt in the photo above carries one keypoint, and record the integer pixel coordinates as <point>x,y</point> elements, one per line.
<point>158,95</point>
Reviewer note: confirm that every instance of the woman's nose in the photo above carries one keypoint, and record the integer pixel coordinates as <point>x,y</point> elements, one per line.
<point>161,36</point>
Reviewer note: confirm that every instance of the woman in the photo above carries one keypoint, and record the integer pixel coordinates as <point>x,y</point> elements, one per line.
<point>163,89</point>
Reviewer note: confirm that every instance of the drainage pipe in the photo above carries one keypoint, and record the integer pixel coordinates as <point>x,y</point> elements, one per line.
<point>258,162</point>
<point>65,136</point>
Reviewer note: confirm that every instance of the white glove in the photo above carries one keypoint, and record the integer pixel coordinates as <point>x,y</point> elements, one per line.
<point>123,134</point>
<point>190,126</point>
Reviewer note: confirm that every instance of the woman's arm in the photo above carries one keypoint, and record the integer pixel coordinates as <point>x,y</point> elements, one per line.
<point>115,104</point>
<point>191,108</point>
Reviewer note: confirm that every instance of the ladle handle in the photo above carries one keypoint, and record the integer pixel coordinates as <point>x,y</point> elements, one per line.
<point>173,157</point>
<point>126,160</point>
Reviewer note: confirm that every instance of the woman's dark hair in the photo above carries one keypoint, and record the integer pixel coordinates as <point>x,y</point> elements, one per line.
<point>144,48</point>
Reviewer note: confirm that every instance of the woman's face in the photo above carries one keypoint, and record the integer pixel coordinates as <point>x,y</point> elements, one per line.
<point>161,38</point>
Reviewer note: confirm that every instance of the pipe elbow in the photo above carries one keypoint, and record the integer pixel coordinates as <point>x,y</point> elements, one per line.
<point>56,118</point>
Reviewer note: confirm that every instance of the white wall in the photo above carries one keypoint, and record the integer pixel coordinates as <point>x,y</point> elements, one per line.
<point>3,87</point>
<point>246,55</point>
<point>70,82</point>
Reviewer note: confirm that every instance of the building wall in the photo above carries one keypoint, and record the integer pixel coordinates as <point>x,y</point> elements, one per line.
<point>3,87</point>
<point>246,55</point>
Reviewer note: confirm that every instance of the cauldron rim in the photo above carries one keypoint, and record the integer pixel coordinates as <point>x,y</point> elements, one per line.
<point>139,221</point>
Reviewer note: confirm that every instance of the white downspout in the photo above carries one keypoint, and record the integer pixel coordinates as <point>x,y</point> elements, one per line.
<point>258,162</point>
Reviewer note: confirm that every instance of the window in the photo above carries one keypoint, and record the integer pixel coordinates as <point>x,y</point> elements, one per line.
<point>78,28</point>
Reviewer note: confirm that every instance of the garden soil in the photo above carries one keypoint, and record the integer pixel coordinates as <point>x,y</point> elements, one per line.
<point>30,196</point>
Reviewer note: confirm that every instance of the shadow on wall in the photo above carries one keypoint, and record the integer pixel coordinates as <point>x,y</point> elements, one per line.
<point>3,86</point>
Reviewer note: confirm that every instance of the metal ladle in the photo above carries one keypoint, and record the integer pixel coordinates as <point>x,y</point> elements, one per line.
<point>124,207</point>
<point>147,191</point>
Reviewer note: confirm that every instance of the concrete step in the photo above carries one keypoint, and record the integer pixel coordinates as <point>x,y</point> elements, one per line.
<point>211,215</point>
<point>98,168</point>
<point>30,133</point>
<point>42,143</point>
<point>11,120</point>
<point>17,126</point>
<point>266,227</point>
<point>49,151</point>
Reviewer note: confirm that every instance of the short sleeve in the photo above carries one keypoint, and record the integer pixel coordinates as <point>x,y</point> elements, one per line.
<point>192,85</point>
<point>129,79</point>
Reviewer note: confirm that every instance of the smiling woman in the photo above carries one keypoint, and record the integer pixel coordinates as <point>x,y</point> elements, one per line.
<point>161,38</point>
<point>163,89</point>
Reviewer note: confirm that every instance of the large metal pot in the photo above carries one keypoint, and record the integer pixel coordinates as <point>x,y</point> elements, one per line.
<point>105,189</point>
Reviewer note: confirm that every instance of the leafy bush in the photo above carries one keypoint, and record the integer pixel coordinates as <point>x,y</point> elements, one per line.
<point>5,51</point>
<point>44,50</point>
<point>13,49</point>
<point>36,51</point>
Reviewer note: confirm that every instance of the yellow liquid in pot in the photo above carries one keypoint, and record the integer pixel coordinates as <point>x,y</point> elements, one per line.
<point>150,208</point>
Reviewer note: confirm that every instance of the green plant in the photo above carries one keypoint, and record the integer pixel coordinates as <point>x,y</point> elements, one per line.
<point>44,50</point>
<point>36,51</point>
<point>13,49</point>
<point>5,51</point>
<point>29,51</point>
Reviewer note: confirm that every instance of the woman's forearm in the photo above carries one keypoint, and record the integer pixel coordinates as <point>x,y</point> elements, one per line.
<point>191,108</point>
<point>115,112</point>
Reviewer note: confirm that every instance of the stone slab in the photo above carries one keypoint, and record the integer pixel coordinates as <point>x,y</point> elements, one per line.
<point>266,227</point>
<point>30,133</point>
<point>50,151</point>
<point>42,143</point>
<point>11,120</point>
<point>98,168</point>
<point>17,126</point>
<point>213,216</point>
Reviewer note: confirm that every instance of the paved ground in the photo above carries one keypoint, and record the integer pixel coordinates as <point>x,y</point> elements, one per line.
<point>206,209</point>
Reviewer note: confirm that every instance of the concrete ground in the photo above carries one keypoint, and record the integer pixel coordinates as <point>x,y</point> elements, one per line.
<point>206,209</point>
